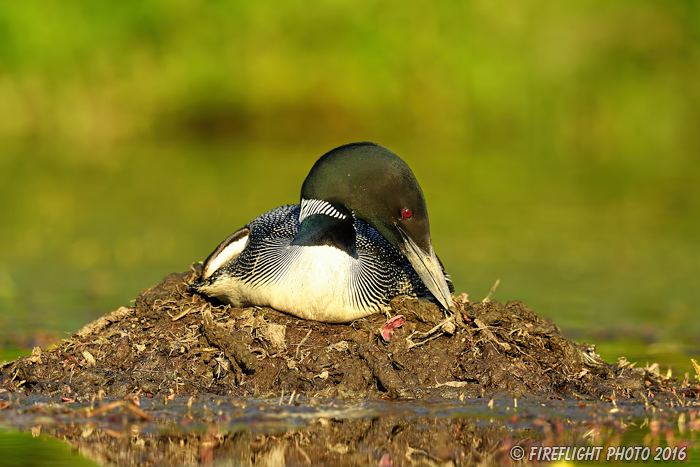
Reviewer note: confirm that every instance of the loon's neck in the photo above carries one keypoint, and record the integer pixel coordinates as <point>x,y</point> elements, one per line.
<point>324,223</point>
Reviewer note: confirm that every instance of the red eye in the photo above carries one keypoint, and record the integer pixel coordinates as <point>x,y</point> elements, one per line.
<point>406,213</point>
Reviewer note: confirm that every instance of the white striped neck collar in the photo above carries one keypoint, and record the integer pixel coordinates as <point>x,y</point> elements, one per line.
<point>310,207</point>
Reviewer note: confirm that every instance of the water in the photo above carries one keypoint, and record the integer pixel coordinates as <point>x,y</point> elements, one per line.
<point>206,430</point>
<point>22,449</point>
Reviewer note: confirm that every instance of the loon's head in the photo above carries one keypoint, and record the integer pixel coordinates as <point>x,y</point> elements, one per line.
<point>380,188</point>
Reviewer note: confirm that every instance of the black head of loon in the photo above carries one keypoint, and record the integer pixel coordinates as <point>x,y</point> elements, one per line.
<point>378,187</point>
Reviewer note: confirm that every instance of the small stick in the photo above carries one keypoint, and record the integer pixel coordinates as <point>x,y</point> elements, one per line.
<point>483,328</point>
<point>189,407</point>
<point>137,411</point>
<point>697,368</point>
<point>180,315</point>
<point>416,344</point>
<point>104,408</point>
<point>296,355</point>
<point>493,289</point>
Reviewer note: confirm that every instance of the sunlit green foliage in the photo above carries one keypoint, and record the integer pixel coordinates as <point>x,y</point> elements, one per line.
<point>557,143</point>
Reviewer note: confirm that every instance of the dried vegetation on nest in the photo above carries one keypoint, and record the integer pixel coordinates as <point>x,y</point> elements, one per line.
<point>173,342</point>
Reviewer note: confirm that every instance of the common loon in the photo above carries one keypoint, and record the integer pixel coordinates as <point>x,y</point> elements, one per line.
<point>359,237</point>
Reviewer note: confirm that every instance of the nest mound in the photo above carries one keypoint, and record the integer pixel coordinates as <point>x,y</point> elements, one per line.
<point>174,342</point>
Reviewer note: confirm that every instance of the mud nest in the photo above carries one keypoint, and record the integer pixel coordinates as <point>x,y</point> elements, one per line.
<point>174,342</point>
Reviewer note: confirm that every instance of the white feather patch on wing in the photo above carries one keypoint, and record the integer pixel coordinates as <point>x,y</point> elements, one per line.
<point>226,251</point>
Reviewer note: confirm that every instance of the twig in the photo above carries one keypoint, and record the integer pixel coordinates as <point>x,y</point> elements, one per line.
<point>137,411</point>
<point>426,335</point>
<point>452,384</point>
<point>697,368</point>
<point>180,315</point>
<point>296,355</point>
<point>487,332</point>
<point>493,289</point>
<point>416,344</point>
<point>120,404</point>
<point>104,408</point>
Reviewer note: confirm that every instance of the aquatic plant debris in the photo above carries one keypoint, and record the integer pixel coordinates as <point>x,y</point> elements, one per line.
<point>172,342</point>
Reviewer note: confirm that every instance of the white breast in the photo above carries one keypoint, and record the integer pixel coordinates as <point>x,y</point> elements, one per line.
<point>311,282</point>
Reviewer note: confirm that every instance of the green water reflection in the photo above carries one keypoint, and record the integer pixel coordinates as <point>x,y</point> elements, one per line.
<point>22,449</point>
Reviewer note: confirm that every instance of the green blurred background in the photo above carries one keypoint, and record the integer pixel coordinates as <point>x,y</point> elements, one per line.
<point>558,144</point>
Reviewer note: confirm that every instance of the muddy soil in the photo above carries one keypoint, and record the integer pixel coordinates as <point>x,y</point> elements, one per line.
<point>175,343</point>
